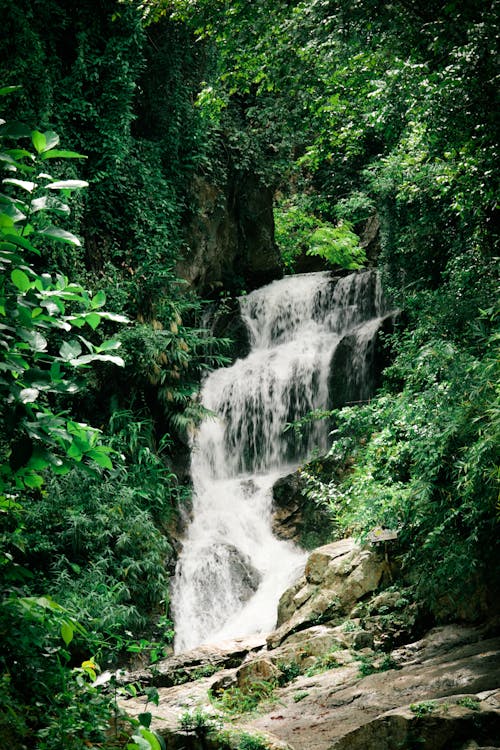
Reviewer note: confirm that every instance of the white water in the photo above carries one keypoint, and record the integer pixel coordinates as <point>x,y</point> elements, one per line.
<point>232,570</point>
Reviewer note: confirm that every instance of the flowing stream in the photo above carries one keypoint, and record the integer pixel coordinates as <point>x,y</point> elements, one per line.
<point>232,570</point>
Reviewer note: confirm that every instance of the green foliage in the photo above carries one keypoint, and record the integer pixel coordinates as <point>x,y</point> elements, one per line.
<point>298,232</point>
<point>288,672</point>
<point>300,695</point>
<point>425,463</point>
<point>235,701</point>
<point>252,742</point>
<point>338,245</point>
<point>198,722</point>
<point>424,708</point>
<point>42,316</point>
<point>470,702</point>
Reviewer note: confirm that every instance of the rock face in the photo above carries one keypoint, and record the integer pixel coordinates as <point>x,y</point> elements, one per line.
<point>348,384</point>
<point>335,685</point>
<point>336,576</point>
<point>297,517</point>
<point>230,236</point>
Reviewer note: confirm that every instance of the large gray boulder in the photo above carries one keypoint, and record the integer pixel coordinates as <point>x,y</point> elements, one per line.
<point>336,576</point>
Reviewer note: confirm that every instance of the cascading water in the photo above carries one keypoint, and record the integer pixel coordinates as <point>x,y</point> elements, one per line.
<point>232,570</point>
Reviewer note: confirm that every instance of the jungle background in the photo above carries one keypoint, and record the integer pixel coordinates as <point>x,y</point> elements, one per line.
<point>119,119</point>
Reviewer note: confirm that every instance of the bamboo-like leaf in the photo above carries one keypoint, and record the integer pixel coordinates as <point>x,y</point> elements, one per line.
<point>57,154</point>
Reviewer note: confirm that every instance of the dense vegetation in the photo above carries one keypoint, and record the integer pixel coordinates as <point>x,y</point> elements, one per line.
<point>350,112</point>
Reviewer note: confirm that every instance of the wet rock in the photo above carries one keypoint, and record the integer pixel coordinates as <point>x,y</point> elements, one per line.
<point>197,663</point>
<point>297,517</point>
<point>365,347</point>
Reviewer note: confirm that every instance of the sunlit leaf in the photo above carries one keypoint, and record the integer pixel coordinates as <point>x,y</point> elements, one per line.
<point>24,184</point>
<point>67,632</point>
<point>39,141</point>
<point>56,154</point>
<point>61,235</point>
<point>20,280</point>
<point>67,185</point>
<point>29,395</point>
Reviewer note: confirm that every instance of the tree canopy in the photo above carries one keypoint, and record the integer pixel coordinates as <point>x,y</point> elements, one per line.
<point>380,112</point>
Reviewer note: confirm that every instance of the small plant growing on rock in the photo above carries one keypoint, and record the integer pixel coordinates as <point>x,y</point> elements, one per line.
<point>424,708</point>
<point>235,701</point>
<point>469,702</point>
<point>300,696</point>
<point>251,742</point>
<point>198,723</point>
<point>289,671</point>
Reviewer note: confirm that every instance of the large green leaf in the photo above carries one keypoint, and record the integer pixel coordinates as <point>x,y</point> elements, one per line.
<point>20,280</point>
<point>16,239</point>
<point>67,184</point>
<point>56,154</point>
<point>70,349</point>
<point>39,141</point>
<point>61,235</point>
<point>24,184</point>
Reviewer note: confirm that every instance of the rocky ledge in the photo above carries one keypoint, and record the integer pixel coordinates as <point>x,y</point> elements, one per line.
<point>340,672</point>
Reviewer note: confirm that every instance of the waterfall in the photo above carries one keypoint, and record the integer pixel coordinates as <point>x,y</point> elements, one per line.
<point>232,570</point>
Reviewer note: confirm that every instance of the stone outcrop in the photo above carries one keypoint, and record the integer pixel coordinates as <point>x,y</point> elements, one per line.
<point>230,236</point>
<point>348,384</point>
<point>440,692</point>
<point>336,576</point>
<point>297,517</point>
<point>330,676</point>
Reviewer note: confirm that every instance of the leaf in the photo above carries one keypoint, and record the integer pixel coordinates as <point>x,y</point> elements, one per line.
<point>101,458</point>
<point>51,139</point>
<point>20,279</point>
<point>87,358</point>
<point>9,89</point>
<point>99,299</point>
<point>61,235</point>
<point>16,239</point>
<point>67,185</point>
<point>70,349</point>
<point>34,481</point>
<point>151,738</point>
<point>37,342</point>
<point>55,154</point>
<point>29,395</point>
<point>39,141</point>
<point>115,317</point>
<point>93,319</point>
<point>24,184</point>
<point>145,719</point>
<point>49,203</point>
<point>109,345</point>
<point>67,632</point>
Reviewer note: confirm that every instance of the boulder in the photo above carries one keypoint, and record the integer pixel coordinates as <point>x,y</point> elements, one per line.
<point>255,671</point>
<point>336,576</point>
